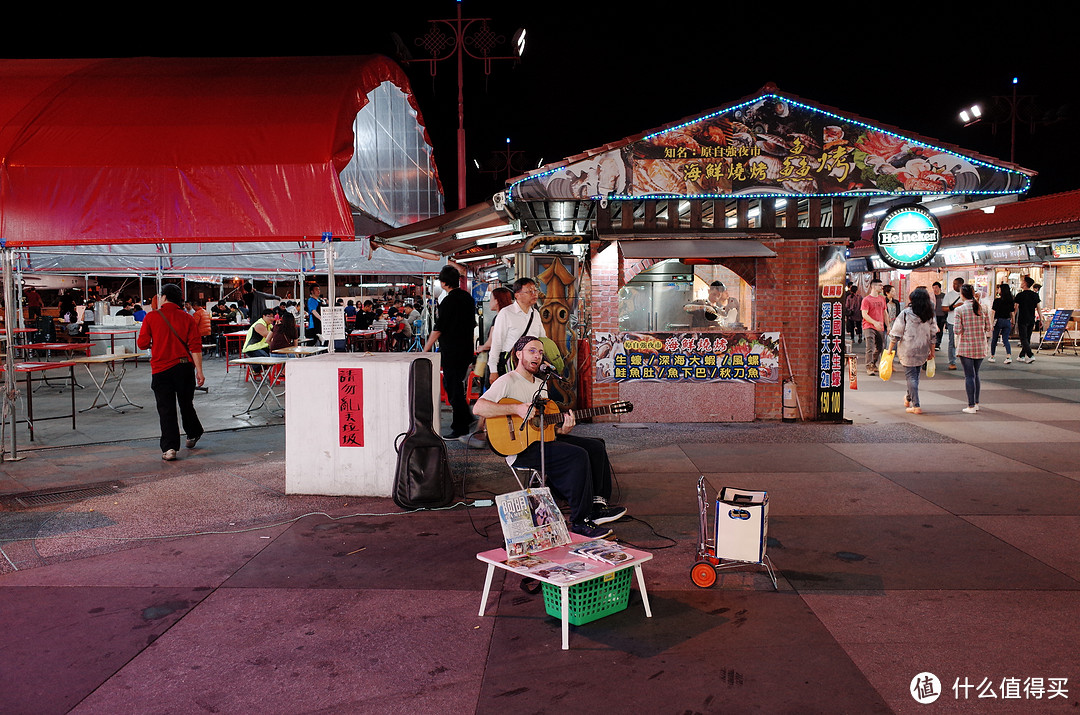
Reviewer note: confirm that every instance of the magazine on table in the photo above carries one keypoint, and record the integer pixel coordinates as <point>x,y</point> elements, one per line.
<point>528,562</point>
<point>601,550</point>
<point>563,572</point>
<point>531,521</point>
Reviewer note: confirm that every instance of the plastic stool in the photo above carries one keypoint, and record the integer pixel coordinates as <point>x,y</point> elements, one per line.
<point>470,395</point>
<point>442,391</point>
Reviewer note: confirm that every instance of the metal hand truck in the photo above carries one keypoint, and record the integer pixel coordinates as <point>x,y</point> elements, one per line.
<point>709,562</point>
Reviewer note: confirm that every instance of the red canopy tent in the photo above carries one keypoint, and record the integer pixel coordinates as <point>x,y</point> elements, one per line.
<point>163,150</point>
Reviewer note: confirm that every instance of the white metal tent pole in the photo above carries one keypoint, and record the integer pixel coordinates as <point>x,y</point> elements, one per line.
<point>18,290</point>
<point>9,372</point>
<point>301,303</point>
<point>330,281</point>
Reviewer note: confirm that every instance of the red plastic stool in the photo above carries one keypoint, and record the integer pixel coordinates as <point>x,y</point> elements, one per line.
<point>442,391</point>
<point>470,395</point>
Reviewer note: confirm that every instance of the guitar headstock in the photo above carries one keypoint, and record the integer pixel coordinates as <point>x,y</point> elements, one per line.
<point>622,408</point>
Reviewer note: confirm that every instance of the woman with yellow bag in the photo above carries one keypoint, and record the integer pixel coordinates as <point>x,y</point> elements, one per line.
<point>912,338</point>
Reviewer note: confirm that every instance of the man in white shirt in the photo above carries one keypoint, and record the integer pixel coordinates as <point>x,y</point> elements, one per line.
<point>949,304</point>
<point>515,320</point>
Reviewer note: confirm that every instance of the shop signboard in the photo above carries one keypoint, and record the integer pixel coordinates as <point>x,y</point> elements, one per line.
<point>772,144</point>
<point>830,365</point>
<point>1066,249</point>
<point>907,237</point>
<point>1003,254</point>
<point>688,357</point>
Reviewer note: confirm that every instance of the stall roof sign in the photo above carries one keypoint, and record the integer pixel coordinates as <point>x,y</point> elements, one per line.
<point>773,143</point>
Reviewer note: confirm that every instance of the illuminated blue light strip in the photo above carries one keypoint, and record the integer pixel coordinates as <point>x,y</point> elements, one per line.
<point>845,194</point>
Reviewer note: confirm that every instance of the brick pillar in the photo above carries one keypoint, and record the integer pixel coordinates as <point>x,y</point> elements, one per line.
<point>786,295</point>
<point>604,305</point>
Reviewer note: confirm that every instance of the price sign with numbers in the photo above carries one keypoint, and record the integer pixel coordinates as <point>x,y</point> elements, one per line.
<point>830,335</point>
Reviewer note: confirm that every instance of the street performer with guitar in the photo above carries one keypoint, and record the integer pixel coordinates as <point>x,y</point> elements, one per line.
<point>577,467</point>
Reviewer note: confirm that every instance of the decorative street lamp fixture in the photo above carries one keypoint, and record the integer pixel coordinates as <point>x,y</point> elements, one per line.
<point>472,37</point>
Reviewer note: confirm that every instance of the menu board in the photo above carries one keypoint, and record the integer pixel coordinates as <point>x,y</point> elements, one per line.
<point>350,407</point>
<point>1058,324</point>
<point>688,357</point>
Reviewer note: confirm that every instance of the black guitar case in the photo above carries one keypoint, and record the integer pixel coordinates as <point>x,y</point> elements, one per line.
<point>423,478</point>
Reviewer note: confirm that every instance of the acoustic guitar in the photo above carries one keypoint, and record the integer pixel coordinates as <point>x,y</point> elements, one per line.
<point>507,437</point>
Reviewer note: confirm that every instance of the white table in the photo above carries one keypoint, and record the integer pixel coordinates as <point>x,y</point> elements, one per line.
<point>496,558</point>
<point>110,375</point>
<point>264,382</point>
<point>100,335</point>
<point>301,350</point>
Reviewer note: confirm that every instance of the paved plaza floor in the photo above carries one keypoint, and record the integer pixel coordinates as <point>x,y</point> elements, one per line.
<point>942,543</point>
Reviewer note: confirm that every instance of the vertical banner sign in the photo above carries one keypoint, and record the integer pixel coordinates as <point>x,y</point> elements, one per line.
<point>350,407</point>
<point>832,268</point>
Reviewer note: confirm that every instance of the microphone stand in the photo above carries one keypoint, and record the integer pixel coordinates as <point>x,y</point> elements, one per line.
<point>539,404</point>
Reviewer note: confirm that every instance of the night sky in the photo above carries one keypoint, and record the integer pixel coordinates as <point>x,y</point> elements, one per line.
<point>594,73</point>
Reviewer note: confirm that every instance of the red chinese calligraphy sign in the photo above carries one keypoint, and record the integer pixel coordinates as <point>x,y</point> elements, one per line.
<point>350,407</point>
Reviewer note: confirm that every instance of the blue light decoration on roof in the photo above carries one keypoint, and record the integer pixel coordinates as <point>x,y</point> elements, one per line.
<point>770,146</point>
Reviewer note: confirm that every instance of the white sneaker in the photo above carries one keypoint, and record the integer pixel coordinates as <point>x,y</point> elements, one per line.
<point>970,410</point>
<point>1031,360</point>
<point>990,359</point>
<point>169,455</point>
<point>1008,361</point>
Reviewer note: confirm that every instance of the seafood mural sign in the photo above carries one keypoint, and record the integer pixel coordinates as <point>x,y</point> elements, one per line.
<point>688,357</point>
<point>768,145</point>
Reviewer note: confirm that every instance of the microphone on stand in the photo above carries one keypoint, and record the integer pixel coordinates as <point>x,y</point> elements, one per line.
<point>547,370</point>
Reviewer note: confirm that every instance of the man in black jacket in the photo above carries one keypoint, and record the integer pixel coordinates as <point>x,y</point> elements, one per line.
<point>454,333</point>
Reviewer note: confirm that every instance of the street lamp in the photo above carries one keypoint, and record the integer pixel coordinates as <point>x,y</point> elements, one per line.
<point>1015,106</point>
<point>476,42</point>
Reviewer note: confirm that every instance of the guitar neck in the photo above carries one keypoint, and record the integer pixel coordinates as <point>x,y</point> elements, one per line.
<point>579,414</point>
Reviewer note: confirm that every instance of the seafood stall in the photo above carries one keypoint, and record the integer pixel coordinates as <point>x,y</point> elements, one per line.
<point>717,249</point>
<point>708,255</point>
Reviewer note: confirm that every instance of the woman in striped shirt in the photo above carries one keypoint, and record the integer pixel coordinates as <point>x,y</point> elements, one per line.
<point>972,328</point>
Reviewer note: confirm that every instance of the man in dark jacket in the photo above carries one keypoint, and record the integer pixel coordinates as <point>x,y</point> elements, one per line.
<point>454,333</point>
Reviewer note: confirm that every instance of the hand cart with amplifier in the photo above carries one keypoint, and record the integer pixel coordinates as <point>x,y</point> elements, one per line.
<point>737,536</point>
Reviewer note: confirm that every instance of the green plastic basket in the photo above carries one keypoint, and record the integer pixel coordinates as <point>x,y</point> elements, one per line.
<point>590,600</point>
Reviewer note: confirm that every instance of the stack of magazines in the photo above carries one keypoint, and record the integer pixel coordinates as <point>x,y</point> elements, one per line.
<point>601,550</point>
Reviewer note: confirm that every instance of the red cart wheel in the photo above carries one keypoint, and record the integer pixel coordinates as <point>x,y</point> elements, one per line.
<point>703,574</point>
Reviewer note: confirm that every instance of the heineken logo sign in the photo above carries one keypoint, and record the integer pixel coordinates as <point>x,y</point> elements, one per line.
<point>907,237</point>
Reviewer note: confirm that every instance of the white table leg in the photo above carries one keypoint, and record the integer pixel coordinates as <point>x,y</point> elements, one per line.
<point>644,593</point>
<point>487,588</point>
<point>565,593</point>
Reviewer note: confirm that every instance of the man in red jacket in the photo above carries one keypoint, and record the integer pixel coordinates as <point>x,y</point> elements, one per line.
<point>176,368</point>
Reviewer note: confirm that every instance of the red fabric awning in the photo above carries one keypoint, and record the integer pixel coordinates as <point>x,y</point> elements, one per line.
<point>159,150</point>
